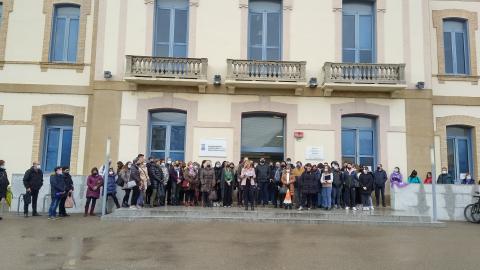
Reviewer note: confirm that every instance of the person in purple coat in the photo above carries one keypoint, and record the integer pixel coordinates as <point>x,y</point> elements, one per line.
<point>94,183</point>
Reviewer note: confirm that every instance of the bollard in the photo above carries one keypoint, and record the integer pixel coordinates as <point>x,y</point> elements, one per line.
<point>44,199</point>
<point>20,198</point>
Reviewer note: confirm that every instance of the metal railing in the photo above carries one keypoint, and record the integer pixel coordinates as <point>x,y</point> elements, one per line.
<point>270,71</point>
<point>364,73</point>
<point>166,67</point>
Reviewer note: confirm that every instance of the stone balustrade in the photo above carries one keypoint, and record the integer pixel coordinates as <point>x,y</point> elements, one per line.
<point>269,71</point>
<point>358,73</point>
<point>166,67</point>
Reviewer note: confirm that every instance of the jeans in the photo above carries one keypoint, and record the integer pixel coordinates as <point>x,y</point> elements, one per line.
<point>365,199</point>
<point>227,195</point>
<point>326,197</point>
<point>135,194</point>
<point>34,197</point>
<point>336,196</point>
<point>52,211</point>
<point>264,196</point>
<point>87,204</point>
<point>349,197</point>
<point>126,197</point>
<point>380,191</point>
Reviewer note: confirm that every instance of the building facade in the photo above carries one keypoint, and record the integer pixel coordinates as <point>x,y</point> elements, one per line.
<point>363,81</point>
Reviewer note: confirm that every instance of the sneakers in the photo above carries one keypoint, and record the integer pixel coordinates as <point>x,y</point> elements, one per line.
<point>371,208</point>
<point>354,208</point>
<point>300,208</point>
<point>346,207</point>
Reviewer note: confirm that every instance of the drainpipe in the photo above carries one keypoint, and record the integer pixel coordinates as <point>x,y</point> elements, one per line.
<point>434,184</point>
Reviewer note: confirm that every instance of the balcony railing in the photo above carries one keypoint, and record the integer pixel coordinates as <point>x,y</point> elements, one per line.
<point>166,67</point>
<point>364,73</point>
<point>269,71</point>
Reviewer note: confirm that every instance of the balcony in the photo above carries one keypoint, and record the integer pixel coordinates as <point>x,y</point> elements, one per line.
<point>265,74</point>
<point>363,77</point>
<point>166,71</point>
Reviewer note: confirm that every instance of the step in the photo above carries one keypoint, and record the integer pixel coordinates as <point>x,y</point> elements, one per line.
<point>180,214</point>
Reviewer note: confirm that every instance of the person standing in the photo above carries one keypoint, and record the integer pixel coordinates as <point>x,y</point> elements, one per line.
<point>124,175</point>
<point>349,180</point>
<point>62,212</point>
<point>207,181</point>
<point>156,180</point>
<point>413,178</point>
<point>262,172</point>
<point>33,182</point>
<point>248,183</point>
<point>428,178</point>
<point>4,183</point>
<point>309,188</point>
<point>288,181</point>
<point>327,181</point>
<point>468,180</point>
<point>297,198</point>
<point>135,176</point>
<point>144,180</point>
<point>176,177</point>
<point>112,187</point>
<point>218,180</point>
<point>366,183</point>
<point>379,180</point>
<point>228,176</point>
<point>191,178</point>
<point>94,183</point>
<point>277,176</point>
<point>336,185</point>
<point>445,178</point>
<point>57,187</point>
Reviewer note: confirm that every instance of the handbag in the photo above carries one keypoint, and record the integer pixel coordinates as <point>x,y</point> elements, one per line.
<point>185,184</point>
<point>212,196</point>
<point>69,202</point>
<point>120,181</point>
<point>131,184</point>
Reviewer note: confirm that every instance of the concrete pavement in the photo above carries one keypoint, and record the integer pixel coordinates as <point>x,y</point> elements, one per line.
<point>88,243</point>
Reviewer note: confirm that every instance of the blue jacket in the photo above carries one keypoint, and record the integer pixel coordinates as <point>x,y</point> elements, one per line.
<point>111,184</point>
<point>57,183</point>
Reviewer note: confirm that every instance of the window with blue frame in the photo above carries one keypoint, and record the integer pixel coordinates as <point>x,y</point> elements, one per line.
<point>455,40</point>
<point>358,34</point>
<point>167,135</point>
<point>265,30</point>
<point>57,141</point>
<point>171,28</point>
<point>459,151</point>
<point>359,140</point>
<point>65,28</point>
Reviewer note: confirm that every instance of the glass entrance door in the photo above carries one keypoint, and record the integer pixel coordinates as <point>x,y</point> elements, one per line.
<point>167,135</point>
<point>263,136</point>
<point>358,141</point>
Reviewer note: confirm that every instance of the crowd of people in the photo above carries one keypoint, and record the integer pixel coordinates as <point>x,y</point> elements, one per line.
<point>157,182</point>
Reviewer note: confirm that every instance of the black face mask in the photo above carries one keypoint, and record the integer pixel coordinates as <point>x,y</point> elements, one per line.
<point>208,166</point>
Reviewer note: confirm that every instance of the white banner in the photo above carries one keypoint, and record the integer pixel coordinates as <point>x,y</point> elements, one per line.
<point>213,148</point>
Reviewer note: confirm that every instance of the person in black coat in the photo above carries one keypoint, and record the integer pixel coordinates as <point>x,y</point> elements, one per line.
<point>310,186</point>
<point>33,182</point>
<point>57,186</point>
<point>3,186</point>
<point>156,179</point>
<point>68,191</point>
<point>366,185</point>
<point>380,178</point>
<point>262,172</point>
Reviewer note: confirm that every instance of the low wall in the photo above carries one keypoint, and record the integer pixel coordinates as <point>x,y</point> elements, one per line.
<point>80,189</point>
<point>417,198</point>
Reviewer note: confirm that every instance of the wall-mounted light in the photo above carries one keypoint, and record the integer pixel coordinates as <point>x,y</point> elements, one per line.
<point>313,83</point>
<point>107,74</point>
<point>217,80</point>
<point>420,85</point>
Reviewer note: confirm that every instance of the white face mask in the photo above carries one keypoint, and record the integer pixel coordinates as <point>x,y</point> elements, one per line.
<point>444,172</point>
<point>396,170</point>
<point>365,171</point>
<point>38,167</point>
<point>129,166</point>
<point>169,162</point>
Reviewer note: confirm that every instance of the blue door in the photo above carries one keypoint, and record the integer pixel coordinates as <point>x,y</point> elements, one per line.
<point>359,140</point>
<point>167,135</point>
<point>459,152</point>
<point>58,142</point>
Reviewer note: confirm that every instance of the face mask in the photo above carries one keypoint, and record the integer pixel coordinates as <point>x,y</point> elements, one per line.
<point>195,167</point>
<point>444,172</point>
<point>59,172</point>
<point>95,173</point>
<point>208,165</point>
<point>129,166</point>
<point>396,170</point>
<point>38,167</point>
<point>231,167</point>
<point>169,162</point>
<point>379,168</point>
<point>110,173</point>
<point>262,162</point>
<point>162,164</point>
<point>365,171</point>
<point>217,165</point>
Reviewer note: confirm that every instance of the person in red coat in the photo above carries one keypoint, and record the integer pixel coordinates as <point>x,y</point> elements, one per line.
<point>94,183</point>
<point>428,179</point>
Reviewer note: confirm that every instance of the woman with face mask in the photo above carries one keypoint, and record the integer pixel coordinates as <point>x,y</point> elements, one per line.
<point>124,174</point>
<point>248,183</point>
<point>468,180</point>
<point>288,181</point>
<point>207,180</point>
<point>112,187</point>
<point>366,185</point>
<point>413,178</point>
<point>228,176</point>
<point>218,180</point>
<point>396,178</point>
<point>190,181</point>
<point>94,184</point>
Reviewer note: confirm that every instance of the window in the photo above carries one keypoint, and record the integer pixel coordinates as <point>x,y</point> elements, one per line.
<point>65,25</point>
<point>359,140</point>
<point>265,30</point>
<point>455,41</point>
<point>459,151</point>
<point>358,32</point>
<point>57,141</point>
<point>171,28</point>
<point>1,13</point>
<point>167,135</point>
<point>263,136</point>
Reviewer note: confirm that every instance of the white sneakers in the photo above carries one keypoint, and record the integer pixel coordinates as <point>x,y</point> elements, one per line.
<point>354,208</point>
<point>300,208</point>
<point>346,207</point>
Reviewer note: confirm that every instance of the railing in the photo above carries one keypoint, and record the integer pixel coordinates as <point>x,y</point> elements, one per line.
<point>166,67</point>
<point>364,73</point>
<point>270,71</point>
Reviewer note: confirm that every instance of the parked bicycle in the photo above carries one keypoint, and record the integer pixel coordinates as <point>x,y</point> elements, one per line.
<point>472,211</point>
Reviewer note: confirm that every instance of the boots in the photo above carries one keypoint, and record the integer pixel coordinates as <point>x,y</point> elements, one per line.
<point>86,212</point>
<point>91,212</point>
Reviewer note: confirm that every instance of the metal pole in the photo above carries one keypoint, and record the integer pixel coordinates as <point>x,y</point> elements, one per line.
<point>434,184</point>
<point>106,168</point>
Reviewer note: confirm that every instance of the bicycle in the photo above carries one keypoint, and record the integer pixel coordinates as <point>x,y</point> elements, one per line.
<point>472,211</point>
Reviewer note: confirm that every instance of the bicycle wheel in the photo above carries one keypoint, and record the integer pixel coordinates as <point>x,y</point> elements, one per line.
<point>476,213</point>
<point>467,212</point>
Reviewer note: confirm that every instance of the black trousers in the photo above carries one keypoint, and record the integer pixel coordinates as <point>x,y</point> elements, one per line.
<point>126,196</point>
<point>349,197</point>
<point>248,195</point>
<point>34,197</point>
<point>205,199</point>
<point>87,204</point>
<point>135,195</point>
<point>380,191</point>
<point>365,199</point>
<point>61,205</point>
<point>114,197</point>
<point>148,193</point>
<point>309,200</point>
<point>227,195</point>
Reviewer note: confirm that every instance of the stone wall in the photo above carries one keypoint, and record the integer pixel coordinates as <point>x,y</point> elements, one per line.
<point>417,198</point>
